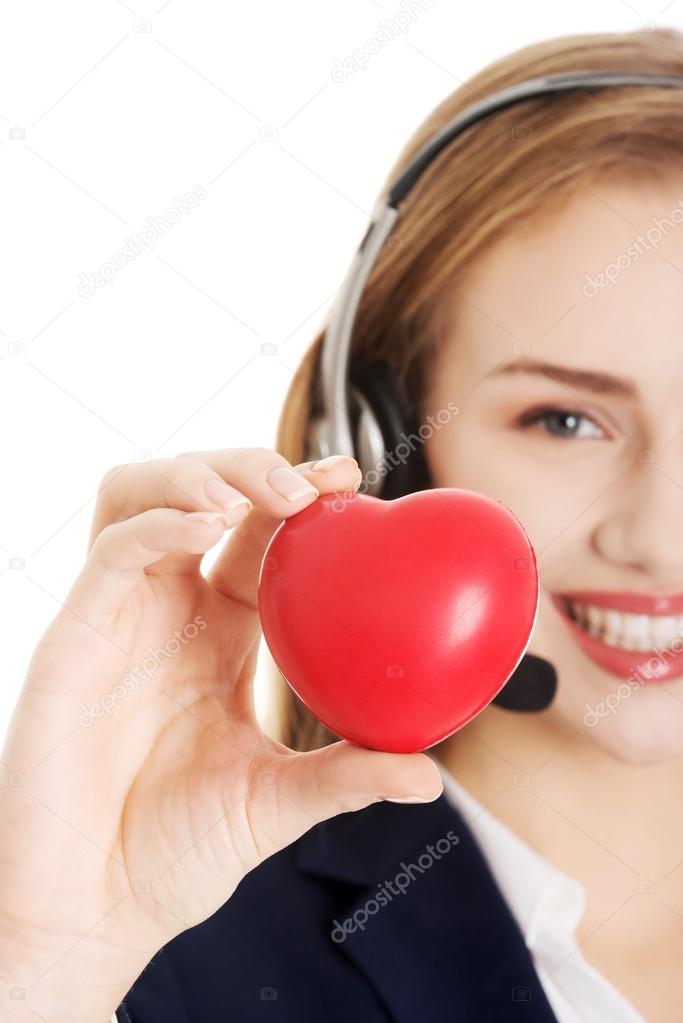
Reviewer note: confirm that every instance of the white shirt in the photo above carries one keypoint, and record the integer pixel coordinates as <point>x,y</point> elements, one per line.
<point>548,907</point>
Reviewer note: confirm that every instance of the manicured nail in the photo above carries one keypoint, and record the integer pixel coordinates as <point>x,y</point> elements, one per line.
<point>329,463</point>
<point>200,516</point>
<point>220,493</point>
<point>289,484</point>
<point>414,799</point>
<point>236,512</point>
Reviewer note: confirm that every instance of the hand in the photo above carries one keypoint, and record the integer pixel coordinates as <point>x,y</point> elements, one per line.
<point>147,788</point>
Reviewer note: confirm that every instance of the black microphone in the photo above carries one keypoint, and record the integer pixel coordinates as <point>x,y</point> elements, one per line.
<point>530,688</point>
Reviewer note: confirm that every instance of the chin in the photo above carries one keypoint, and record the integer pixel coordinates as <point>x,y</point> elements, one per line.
<point>636,725</point>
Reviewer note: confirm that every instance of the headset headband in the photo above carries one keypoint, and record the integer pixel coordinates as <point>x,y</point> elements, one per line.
<point>331,433</point>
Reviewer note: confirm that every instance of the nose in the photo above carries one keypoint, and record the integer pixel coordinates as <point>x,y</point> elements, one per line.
<point>643,531</point>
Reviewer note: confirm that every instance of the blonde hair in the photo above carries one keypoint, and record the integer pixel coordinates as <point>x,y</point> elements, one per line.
<point>498,176</point>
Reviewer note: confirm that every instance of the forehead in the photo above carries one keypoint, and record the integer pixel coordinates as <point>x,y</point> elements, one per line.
<point>596,284</point>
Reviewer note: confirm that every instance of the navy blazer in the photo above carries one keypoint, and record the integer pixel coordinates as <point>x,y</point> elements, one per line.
<point>446,950</point>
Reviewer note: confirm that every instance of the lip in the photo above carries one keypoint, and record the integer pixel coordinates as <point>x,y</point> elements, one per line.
<point>631,603</point>
<point>625,664</point>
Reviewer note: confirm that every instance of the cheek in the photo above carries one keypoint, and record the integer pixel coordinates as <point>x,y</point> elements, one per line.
<point>464,455</point>
<point>548,485</point>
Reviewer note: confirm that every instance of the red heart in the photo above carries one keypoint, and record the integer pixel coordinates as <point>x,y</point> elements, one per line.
<point>396,622</point>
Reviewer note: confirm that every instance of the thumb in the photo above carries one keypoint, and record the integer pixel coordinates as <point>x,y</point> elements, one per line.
<point>342,777</point>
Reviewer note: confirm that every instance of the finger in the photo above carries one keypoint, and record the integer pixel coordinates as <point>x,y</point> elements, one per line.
<point>235,572</point>
<point>124,549</point>
<point>342,777</point>
<point>186,484</point>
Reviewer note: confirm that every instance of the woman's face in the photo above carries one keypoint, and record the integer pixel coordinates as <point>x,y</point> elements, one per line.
<point>564,355</point>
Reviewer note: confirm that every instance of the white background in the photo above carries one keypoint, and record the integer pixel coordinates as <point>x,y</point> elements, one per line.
<point>108,112</point>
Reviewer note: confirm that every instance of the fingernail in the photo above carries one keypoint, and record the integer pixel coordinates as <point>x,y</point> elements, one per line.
<point>220,493</point>
<point>414,799</point>
<point>289,484</point>
<point>237,512</point>
<point>329,463</point>
<point>200,516</point>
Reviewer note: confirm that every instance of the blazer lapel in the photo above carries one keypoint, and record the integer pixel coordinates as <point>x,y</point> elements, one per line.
<point>429,929</point>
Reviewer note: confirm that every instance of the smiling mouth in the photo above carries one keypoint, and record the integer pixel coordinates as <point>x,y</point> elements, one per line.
<point>632,632</point>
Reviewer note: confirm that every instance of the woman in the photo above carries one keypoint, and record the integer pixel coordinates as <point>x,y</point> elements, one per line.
<point>538,872</point>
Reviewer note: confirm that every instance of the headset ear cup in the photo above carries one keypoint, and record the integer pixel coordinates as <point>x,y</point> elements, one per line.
<point>368,443</point>
<point>385,432</point>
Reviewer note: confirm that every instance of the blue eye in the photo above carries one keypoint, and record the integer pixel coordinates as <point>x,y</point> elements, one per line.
<point>564,424</point>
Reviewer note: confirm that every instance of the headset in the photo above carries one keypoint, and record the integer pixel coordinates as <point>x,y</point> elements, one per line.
<point>366,413</point>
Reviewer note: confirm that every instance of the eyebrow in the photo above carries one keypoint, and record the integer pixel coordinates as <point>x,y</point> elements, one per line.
<point>587,380</point>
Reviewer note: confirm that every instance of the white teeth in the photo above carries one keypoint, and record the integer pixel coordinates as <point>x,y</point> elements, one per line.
<point>627,631</point>
<point>662,627</point>
<point>595,618</point>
